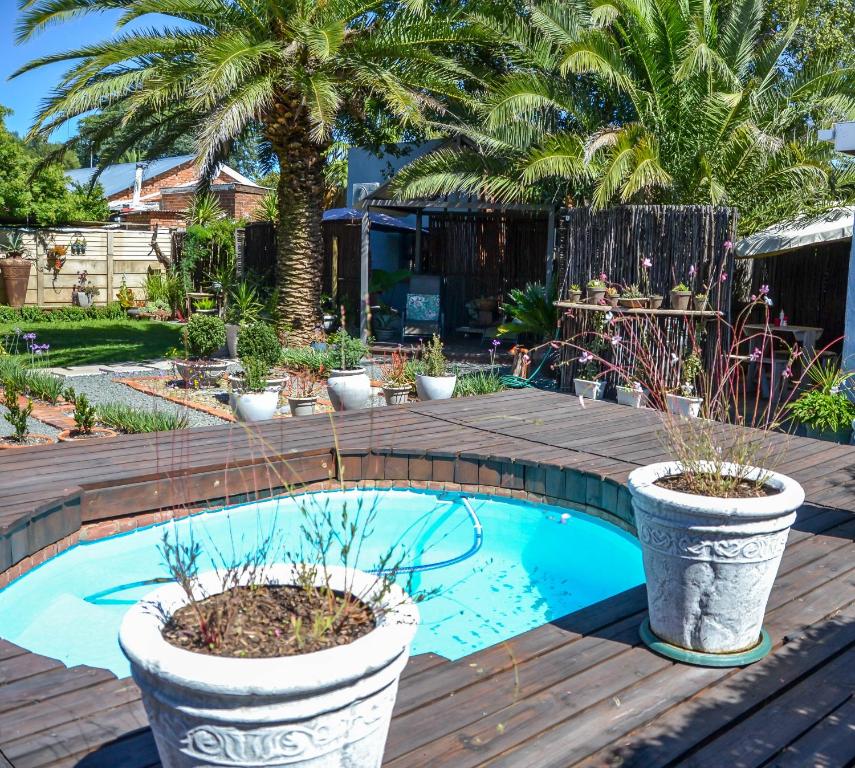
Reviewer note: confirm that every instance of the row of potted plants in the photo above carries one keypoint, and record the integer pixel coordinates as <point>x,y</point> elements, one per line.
<point>599,291</point>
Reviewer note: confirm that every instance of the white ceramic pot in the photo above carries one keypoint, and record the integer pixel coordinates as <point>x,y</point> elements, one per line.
<point>629,396</point>
<point>232,331</point>
<point>435,387</point>
<point>302,406</point>
<point>201,373</point>
<point>396,395</point>
<point>690,407</point>
<point>256,406</point>
<point>349,390</point>
<point>329,709</point>
<point>83,299</point>
<point>593,390</point>
<point>710,562</point>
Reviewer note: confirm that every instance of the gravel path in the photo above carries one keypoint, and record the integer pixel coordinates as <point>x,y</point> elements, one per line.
<point>102,389</point>
<point>36,427</point>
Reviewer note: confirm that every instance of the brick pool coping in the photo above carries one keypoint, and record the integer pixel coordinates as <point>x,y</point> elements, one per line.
<point>87,514</point>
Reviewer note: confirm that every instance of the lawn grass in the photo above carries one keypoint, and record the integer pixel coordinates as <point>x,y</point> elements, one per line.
<point>97,342</point>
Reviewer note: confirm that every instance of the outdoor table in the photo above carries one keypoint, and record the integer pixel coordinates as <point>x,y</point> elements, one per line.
<point>805,335</point>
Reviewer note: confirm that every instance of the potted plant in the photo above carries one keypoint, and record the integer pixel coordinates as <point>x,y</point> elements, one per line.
<point>328,313</point>
<point>15,269</point>
<point>17,415</point>
<point>291,664</point>
<point>633,298</point>
<point>434,382</point>
<point>612,296</point>
<point>384,321</point>
<point>574,294</point>
<point>255,400</point>
<point>596,289</point>
<point>632,394</point>
<point>681,295</point>
<point>257,339</point>
<point>202,336</point>
<point>585,382</point>
<point>302,393</point>
<point>125,296</point>
<point>205,305</point>
<point>84,292</point>
<point>348,384</point>
<point>84,420</point>
<point>654,301</point>
<point>397,382</point>
<point>684,401</point>
<point>825,410</point>
<point>243,306</point>
<point>700,302</point>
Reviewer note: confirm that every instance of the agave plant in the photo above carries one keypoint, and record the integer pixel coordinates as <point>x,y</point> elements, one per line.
<point>532,310</point>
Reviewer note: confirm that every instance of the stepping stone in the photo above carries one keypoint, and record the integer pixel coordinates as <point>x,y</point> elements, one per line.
<point>58,371</point>
<point>126,368</point>
<point>159,365</point>
<point>84,370</point>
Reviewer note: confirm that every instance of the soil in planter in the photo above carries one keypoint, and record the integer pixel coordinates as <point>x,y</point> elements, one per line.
<point>28,440</point>
<point>745,490</point>
<point>262,624</point>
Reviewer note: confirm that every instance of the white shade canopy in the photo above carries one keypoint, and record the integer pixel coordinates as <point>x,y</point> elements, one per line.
<point>792,235</point>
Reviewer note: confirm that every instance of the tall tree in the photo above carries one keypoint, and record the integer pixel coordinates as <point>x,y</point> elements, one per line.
<point>294,67</point>
<point>676,101</point>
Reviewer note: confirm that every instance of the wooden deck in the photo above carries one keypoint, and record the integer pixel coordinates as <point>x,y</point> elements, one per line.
<point>578,691</point>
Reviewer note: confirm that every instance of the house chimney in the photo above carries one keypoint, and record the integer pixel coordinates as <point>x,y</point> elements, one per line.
<point>138,174</point>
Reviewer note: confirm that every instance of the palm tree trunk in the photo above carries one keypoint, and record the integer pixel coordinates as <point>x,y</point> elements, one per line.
<point>299,235</point>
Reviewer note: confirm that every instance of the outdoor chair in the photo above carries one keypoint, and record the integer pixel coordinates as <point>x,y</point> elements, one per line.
<point>423,308</point>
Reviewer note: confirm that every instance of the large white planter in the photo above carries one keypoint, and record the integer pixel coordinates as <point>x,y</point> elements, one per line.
<point>690,407</point>
<point>201,373</point>
<point>232,331</point>
<point>349,390</point>
<point>435,387</point>
<point>329,709</point>
<point>255,406</point>
<point>83,299</point>
<point>710,562</point>
<point>395,395</point>
<point>593,390</point>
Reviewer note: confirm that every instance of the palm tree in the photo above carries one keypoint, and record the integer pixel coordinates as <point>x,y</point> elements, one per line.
<point>674,101</point>
<point>221,67</point>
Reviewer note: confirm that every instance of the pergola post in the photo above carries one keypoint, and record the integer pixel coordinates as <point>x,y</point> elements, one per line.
<point>417,262</point>
<point>364,263</point>
<point>550,248</point>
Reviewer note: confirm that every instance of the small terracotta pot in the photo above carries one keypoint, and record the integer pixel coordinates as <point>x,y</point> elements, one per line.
<point>595,295</point>
<point>71,436</point>
<point>700,303</point>
<point>38,440</point>
<point>16,276</point>
<point>574,297</point>
<point>654,302</point>
<point>680,300</point>
<point>613,300</point>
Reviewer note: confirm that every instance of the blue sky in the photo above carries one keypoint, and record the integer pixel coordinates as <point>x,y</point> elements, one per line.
<point>25,93</point>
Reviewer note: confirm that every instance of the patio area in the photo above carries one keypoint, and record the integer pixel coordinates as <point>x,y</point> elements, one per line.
<point>581,690</point>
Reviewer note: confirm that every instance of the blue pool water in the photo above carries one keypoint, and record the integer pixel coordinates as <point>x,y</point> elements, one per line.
<point>532,563</point>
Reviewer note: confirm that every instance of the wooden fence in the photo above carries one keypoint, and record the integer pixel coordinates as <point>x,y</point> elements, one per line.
<point>110,254</point>
<point>685,244</point>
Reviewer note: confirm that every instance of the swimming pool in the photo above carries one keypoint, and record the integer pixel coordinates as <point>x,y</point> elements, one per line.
<point>493,567</point>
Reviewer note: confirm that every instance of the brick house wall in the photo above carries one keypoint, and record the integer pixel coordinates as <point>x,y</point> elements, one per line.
<point>179,176</point>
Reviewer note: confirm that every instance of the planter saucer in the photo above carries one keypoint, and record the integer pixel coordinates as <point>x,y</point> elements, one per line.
<point>699,659</point>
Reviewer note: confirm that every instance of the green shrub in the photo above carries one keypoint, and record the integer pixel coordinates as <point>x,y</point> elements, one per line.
<point>345,351</point>
<point>84,415</point>
<point>255,373</point>
<point>16,414</point>
<point>133,421</point>
<point>433,358</point>
<point>303,359</point>
<point>478,383</point>
<point>69,314</point>
<point>204,335</point>
<point>259,340</point>
<point>44,386</point>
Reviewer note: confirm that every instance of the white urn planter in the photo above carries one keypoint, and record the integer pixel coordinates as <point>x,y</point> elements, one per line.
<point>593,390</point>
<point>634,398</point>
<point>329,709</point>
<point>302,406</point>
<point>349,390</point>
<point>232,331</point>
<point>255,406</point>
<point>710,562</point>
<point>689,407</point>
<point>435,387</point>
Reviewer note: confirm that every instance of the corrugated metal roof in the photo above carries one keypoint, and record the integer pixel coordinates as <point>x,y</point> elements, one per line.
<point>116,178</point>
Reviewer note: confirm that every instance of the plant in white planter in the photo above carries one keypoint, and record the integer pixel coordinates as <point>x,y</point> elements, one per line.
<point>255,400</point>
<point>85,291</point>
<point>348,384</point>
<point>203,336</point>
<point>397,380</point>
<point>302,393</point>
<point>685,401</point>
<point>587,382</point>
<point>242,307</point>
<point>631,395</point>
<point>293,664</point>
<point>434,382</point>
